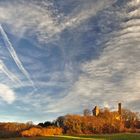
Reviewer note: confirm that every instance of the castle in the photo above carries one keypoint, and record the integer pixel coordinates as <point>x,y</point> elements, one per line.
<point>96,111</point>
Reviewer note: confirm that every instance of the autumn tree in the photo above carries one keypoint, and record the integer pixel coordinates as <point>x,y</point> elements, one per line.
<point>86,112</point>
<point>130,118</point>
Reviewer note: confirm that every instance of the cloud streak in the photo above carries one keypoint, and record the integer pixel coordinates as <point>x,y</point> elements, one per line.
<point>14,55</point>
<point>11,76</point>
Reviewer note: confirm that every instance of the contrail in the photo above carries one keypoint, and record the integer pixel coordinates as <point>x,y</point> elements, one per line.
<point>14,55</point>
<point>9,74</point>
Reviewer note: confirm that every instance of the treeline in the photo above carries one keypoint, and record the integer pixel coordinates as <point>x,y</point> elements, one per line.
<point>105,122</point>
<point>15,129</point>
<point>86,124</point>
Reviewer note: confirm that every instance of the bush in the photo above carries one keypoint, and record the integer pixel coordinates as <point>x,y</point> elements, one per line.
<point>13,129</point>
<point>41,132</point>
<point>31,132</point>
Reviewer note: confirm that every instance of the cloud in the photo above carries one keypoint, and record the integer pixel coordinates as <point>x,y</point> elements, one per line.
<point>84,11</point>
<point>112,77</point>
<point>65,83</point>
<point>7,94</point>
<point>45,21</point>
<point>31,17</point>
<point>134,3</point>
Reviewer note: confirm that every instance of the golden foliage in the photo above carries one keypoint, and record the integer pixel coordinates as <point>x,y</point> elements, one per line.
<point>31,132</point>
<point>12,129</point>
<point>41,132</point>
<point>105,122</point>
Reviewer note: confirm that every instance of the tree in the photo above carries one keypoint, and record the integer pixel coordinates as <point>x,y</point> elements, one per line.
<point>129,118</point>
<point>86,112</point>
<point>41,124</point>
<point>60,121</point>
<point>48,123</point>
<point>30,123</point>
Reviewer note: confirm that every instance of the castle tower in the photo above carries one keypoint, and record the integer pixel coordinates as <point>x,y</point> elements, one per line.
<point>96,111</point>
<point>119,108</point>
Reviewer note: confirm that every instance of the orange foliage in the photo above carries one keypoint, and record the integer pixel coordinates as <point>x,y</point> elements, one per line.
<point>76,124</point>
<point>32,132</point>
<point>106,122</point>
<point>41,132</point>
<point>12,129</point>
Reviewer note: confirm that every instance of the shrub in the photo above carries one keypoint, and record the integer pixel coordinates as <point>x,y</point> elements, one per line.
<point>41,132</point>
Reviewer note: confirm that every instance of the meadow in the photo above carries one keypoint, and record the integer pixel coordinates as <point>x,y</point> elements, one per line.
<point>97,137</point>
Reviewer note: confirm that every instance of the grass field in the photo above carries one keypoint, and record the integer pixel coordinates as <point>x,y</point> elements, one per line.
<point>99,137</point>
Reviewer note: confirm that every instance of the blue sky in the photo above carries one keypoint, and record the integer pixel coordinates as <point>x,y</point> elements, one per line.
<point>62,56</point>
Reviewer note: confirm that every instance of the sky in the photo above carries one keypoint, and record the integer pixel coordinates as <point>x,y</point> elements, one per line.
<point>59,57</point>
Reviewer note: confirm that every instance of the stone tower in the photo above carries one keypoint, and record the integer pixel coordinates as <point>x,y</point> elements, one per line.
<point>96,111</point>
<point>120,108</point>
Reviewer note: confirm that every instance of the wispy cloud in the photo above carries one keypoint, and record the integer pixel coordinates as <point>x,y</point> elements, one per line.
<point>32,17</point>
<point>84,11</point>
<point>113,76</point>
<point>134,3</point>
